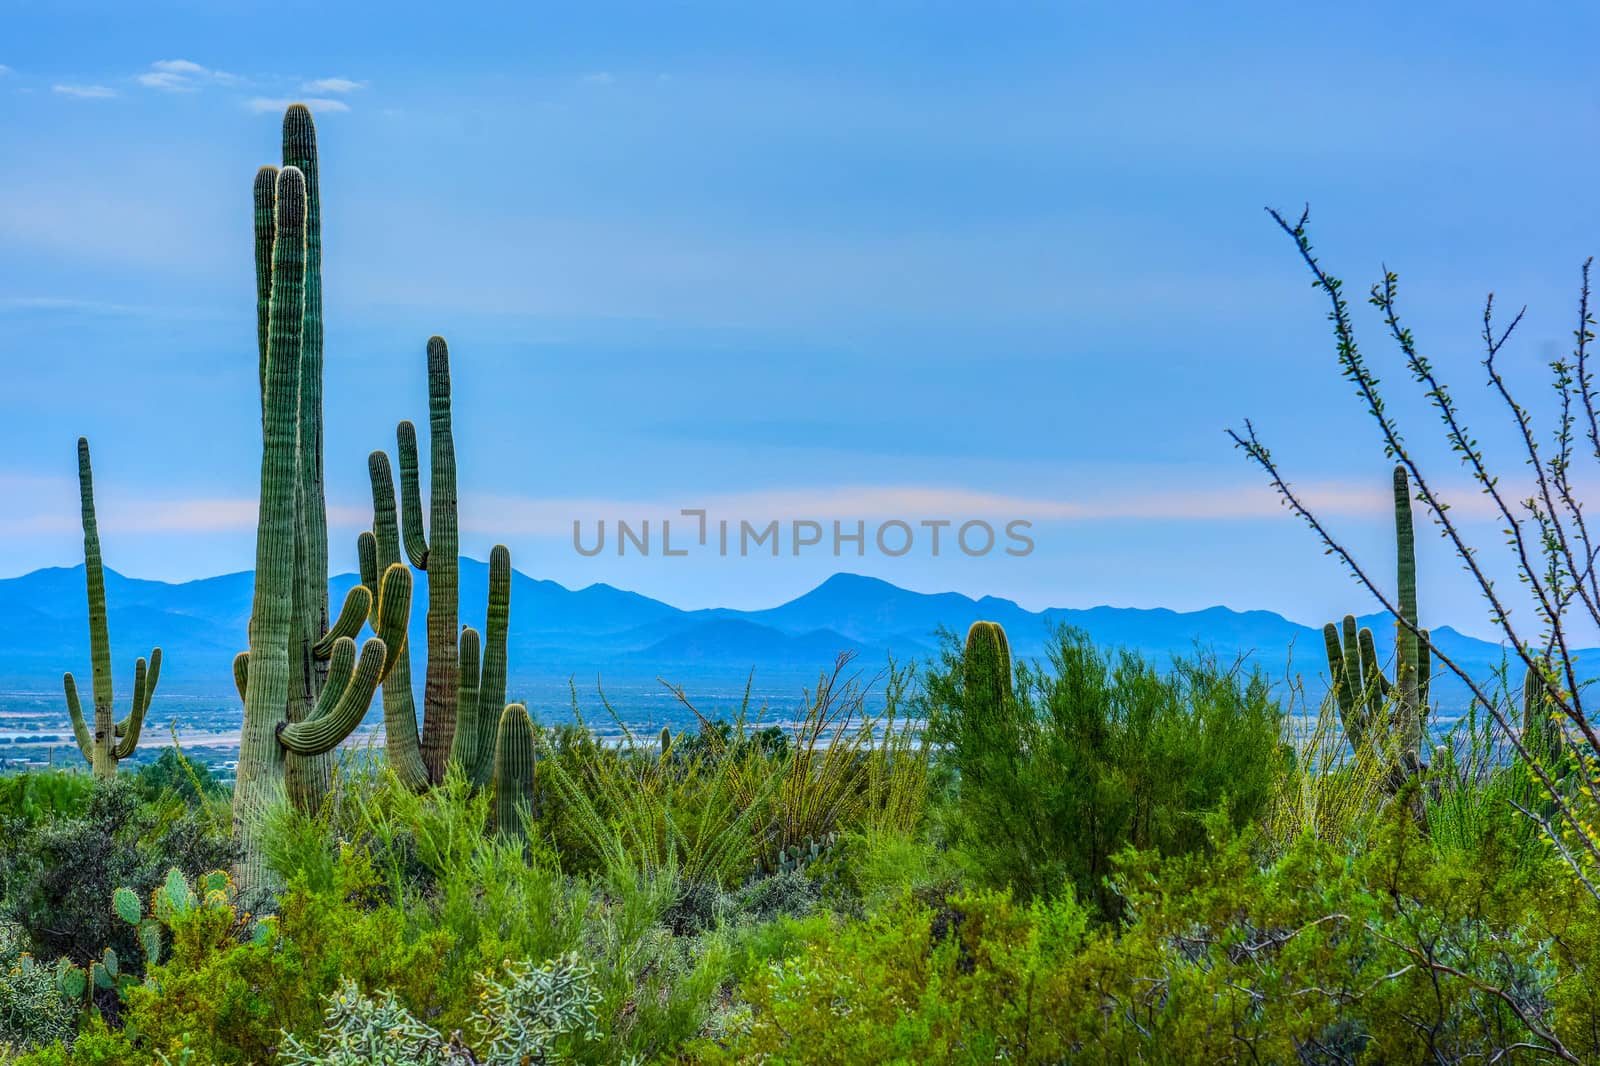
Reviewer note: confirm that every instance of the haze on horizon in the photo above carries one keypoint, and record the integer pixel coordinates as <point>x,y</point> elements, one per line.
<point>808,262</point>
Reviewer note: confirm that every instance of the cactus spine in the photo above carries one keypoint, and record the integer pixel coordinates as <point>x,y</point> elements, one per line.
<point>515,763</point>
<point>110,741</point>
<point>270,737</point>
<point>1360,688</point>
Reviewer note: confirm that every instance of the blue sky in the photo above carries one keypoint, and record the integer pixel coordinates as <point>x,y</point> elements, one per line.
<point>814,261</point>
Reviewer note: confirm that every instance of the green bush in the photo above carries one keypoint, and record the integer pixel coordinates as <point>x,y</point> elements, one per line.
<point>33,796</point>
<point>32,1009</point>
<point>57,878</point>
<point>1096,753</point>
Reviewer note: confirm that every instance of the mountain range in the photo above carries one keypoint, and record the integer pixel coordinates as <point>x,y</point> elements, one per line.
<point>629,640</point>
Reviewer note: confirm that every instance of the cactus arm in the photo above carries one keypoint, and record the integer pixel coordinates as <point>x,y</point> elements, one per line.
<point>241,673</point>
<point>352,616</point>
<point>464,745</point>
<point>416,541</point>
<point>261,759</point>
<point>401,740</point>
<point>266,199</point>
<point>145,677</point>
<point>1352,659</point>
<point>492,686</point>
<point>1343,687</point>
<point>367,557</point>
<point>1424,673</point>
<point>80,729</point>
<point>320,735</point>
<point>515,764</point>
<point>394,615</point>
<point>1375,686</point>
<point>341,667</point>
<point>443,676</point>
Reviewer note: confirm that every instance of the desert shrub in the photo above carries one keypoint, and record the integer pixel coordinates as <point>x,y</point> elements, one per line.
<point>359,1030</point>
<point>172,773</point>
<point>230,986</point>
<point>1100,751</point>
<point>59,876</point>
<point>30,797</point>
<point>1394,955</point>
<point>32,1009</point>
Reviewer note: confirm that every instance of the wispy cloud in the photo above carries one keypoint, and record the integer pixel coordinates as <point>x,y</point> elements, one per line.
<point>182,76</point>
<point>84,92</point>
<point>263,104</point>
<point>599,77</point>
<point>53,303</point>
<point>332,85</point>
<point>4,70</point>
<point>913,503</point>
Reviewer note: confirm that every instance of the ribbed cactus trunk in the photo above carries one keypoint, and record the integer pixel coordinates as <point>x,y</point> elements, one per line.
<point>102,757</point>
<point>1408,654</point>
<point>103,762</point>
<point>437,552</point>
<point>308,777</point>
<point>261,759</point>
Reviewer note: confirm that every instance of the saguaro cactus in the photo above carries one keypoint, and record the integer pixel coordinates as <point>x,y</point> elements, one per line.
<point>270,737</point>
<point>472,674</point>
<point>110,741</point>
<point>515,762</point>
<point>311,639</point>
<point>1363,694</point>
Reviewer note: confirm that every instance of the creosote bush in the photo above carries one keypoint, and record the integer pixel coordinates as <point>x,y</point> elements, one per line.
<point>1094,752</point>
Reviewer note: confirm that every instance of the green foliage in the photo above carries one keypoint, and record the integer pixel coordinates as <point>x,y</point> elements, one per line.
<point>1392,956</point>
<point>528,1016</point>
<point>31,797</point>
<point>369,1031</point>
<point>33,1010</point>
<point>171,772</point>
<point>1096,754</point>
<point>60,875</point>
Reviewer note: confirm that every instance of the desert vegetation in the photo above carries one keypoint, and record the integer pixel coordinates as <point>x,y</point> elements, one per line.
<point>1091,857</point>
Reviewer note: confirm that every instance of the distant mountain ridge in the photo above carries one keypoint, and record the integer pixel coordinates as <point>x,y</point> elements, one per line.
<point>599,630</point>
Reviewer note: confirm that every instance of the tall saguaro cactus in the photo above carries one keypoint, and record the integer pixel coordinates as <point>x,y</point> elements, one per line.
<point>271,736</point>
<point>110,741</point>
<point>311,639</point>
<point>1364,695</point>
<point>465,688</point>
